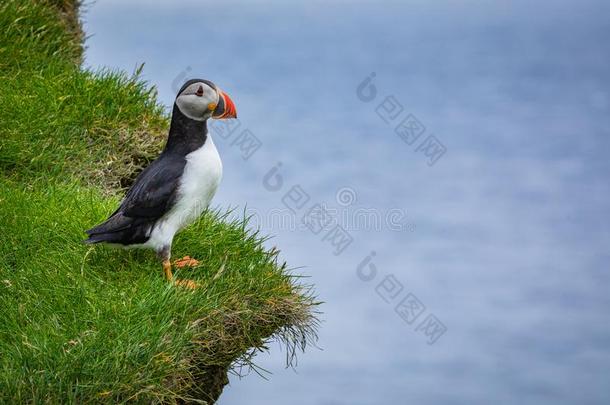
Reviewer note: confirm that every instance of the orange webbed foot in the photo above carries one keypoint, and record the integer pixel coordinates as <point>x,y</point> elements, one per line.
<point>186,261</point>
<point>190,284</point>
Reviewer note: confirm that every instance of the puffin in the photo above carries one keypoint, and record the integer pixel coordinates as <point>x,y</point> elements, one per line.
<point>176,188</point>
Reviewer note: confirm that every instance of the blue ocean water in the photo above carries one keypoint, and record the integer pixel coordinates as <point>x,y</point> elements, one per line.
<point>466,257</point>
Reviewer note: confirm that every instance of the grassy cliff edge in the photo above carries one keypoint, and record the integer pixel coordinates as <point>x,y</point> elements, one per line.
<point>93,324</point>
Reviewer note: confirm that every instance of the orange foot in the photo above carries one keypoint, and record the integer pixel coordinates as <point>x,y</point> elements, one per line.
<point>187,284</point>
<point>186,261</point>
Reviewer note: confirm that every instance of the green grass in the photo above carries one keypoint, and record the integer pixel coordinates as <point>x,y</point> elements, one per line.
<point>96,324</point>
<point>59,120</point>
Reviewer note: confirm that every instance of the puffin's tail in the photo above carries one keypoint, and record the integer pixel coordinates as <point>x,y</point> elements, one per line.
<point>94,239</point>
<point>110,230</point>
<point>120,229</point>
<point>102,237</point>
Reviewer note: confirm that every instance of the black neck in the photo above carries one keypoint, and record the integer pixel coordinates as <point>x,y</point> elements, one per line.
<point>185,134</point>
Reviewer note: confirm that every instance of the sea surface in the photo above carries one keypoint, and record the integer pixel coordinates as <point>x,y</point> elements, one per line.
<point>438,170</point>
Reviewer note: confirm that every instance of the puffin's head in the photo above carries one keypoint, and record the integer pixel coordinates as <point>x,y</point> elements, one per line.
<point>200,99</point>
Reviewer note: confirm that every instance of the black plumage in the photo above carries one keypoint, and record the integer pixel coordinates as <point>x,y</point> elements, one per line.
<point>151,196</point>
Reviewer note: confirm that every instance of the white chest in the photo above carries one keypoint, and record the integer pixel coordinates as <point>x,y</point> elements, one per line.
<point>202,174</point>
<point>201,177</point>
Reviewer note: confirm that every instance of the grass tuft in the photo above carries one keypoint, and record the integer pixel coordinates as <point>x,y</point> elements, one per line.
<point>94,324</point>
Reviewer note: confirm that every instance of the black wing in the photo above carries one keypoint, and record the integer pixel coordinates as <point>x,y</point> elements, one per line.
<point>151,196</point>
<point>154,191</point>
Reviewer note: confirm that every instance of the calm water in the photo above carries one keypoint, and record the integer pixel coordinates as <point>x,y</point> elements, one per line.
<point>504,240</point>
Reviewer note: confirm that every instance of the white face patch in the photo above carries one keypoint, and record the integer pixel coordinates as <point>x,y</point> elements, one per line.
<point>195,106</point>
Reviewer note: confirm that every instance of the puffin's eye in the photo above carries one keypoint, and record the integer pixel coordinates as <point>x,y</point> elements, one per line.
<point>200,91</point>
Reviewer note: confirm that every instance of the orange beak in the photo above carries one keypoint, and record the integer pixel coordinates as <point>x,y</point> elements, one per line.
<point>225,108</point>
